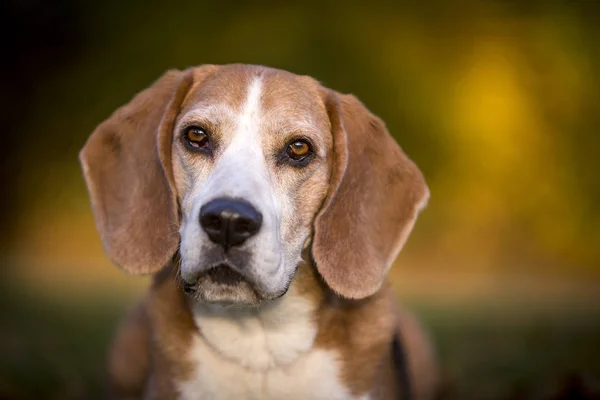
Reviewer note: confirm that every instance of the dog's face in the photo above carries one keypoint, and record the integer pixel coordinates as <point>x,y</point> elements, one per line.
<point>240,171</point>
<point>251,169</point>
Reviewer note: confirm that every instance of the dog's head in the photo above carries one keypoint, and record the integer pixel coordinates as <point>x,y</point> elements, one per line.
<point>239,170</point>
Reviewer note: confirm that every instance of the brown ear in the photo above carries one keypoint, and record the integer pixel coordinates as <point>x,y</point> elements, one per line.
<point>127,167</point>
<point>375,194</point>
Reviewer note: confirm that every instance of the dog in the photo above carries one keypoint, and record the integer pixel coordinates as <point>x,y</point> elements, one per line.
<point>269,209</point>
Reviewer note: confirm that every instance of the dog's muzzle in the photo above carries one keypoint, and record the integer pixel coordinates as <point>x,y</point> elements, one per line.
<point>228,223</point>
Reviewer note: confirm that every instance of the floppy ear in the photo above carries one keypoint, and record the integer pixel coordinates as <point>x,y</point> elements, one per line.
<point>375,194</point>
<point>127,167</point>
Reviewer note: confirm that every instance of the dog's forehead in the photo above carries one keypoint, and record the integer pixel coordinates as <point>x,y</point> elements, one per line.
<point>284,97</point>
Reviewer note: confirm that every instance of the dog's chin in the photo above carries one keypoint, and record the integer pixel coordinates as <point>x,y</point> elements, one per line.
<point>224,286</point>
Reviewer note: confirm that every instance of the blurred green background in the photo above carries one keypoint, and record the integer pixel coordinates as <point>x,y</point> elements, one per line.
<point>497,102</point>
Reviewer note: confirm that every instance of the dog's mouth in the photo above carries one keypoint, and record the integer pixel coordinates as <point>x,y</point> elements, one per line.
<point>224,274</point>
<point>223,284</point>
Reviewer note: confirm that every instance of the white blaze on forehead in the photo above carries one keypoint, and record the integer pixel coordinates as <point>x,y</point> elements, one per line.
<point>250,116</point>
<point>241,169</point>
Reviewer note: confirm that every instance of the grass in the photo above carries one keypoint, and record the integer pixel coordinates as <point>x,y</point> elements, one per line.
<point>489,354</point>
<point>52,348</point>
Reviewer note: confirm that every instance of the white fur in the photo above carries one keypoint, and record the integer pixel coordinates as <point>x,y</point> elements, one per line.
<point>266,353</point>
<point>240,172</point>
<point>259,338</point>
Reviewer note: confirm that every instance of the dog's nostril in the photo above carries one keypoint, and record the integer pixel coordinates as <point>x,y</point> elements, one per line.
<point>229,222</point>
<point>211,221</point>
<point>244,225</point>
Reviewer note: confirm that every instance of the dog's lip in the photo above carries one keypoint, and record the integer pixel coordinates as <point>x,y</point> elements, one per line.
<point>224,273</point>
<point>238,278</point>
<point>221,273</point>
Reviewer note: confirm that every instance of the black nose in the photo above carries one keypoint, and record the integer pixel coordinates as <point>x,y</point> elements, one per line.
<point>229,222</point>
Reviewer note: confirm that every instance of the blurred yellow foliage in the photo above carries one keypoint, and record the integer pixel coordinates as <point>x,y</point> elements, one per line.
<point>496,101</point>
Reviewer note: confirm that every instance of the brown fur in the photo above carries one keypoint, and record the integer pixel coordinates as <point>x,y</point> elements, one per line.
<point>127,166</point>
<point>135,191</point>
<point>148,352</point>
<point>375,219</point>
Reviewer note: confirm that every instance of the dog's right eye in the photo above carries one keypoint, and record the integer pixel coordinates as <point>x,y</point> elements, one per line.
<point>196,138</point>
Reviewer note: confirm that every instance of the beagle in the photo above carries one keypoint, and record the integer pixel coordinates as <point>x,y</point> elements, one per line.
<point>270,210</point>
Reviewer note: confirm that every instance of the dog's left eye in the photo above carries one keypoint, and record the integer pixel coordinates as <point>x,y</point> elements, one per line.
<point>196,137</point>
<point>298,149</point>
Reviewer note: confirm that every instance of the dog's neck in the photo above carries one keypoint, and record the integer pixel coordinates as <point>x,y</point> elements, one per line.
<point>271,335</point>
<point>261,338</point>
<point>307,331</point>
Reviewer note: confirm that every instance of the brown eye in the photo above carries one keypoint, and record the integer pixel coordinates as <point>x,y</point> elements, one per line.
<point>298,149</point>
<point>196,137</point>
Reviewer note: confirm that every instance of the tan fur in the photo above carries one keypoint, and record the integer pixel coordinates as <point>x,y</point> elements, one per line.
<point>127,166</point>
<point>129,357</point>
<point>378,217</point>
<point>148,354</point>
<point>360,197</point>
<point>422,364</point>
<point>361,331</point>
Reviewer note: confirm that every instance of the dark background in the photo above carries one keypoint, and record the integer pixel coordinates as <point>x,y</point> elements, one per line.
<point>497,102</point>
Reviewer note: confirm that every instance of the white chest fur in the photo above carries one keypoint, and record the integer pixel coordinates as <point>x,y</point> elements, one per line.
<point>262,354</point>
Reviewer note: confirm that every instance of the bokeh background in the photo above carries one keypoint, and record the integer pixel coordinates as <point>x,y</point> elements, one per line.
<point>497,102</point>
